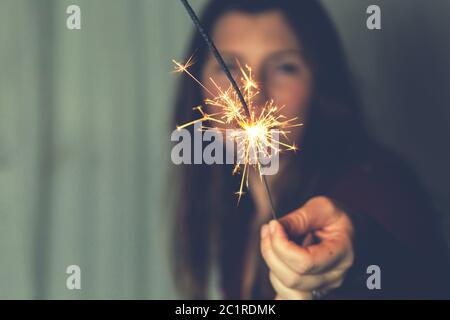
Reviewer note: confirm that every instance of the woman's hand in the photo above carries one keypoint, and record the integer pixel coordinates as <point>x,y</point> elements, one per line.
<point>302,272</point>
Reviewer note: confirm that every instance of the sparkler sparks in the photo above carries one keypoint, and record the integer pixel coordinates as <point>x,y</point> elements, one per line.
<point>245,119</point>
<point>257,132</point>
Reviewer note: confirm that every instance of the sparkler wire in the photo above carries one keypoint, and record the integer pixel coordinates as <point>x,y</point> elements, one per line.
<point>227,72</point>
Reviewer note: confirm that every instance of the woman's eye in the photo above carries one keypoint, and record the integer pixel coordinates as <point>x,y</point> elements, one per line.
<point>288,68</point>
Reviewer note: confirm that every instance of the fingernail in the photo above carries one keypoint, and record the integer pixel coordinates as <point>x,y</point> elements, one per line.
<point>264,231</point>
<point>272,226</point>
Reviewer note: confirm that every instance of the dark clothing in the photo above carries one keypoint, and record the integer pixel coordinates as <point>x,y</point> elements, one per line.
<point>395,229</point>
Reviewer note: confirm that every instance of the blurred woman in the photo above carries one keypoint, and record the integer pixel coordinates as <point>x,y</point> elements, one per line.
<point>347,203</point>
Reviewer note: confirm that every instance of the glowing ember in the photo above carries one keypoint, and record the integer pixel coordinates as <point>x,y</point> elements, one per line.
<point>255,137</point>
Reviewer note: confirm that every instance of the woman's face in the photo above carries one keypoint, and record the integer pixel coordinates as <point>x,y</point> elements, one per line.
<point>266,43</point>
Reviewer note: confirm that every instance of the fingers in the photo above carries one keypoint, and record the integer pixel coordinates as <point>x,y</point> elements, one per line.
<point>285,293</point>
<point>287,276</point>
<point>312,259</point>
<point>297,270</point>
<point>317,213</point>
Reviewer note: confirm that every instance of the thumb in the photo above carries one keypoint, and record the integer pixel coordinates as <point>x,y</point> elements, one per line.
<point>316,214</point>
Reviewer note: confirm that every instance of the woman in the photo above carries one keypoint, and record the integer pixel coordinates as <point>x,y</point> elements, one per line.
<point>347,204</point>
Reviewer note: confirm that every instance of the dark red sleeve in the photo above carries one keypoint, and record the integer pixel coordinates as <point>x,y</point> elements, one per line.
<point>395,229</point>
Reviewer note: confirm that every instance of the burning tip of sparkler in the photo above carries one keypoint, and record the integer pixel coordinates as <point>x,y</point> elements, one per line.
<point>255,129</point>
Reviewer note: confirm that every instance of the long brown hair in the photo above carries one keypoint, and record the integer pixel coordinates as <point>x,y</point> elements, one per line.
<point>208,226</point>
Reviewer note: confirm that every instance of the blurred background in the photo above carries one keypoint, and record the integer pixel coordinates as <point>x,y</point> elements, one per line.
<point>85,134</point>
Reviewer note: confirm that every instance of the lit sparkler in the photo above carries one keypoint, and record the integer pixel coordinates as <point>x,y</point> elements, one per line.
<point>235,107</point>
<point>255,132</point>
